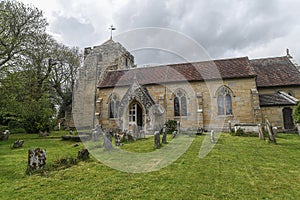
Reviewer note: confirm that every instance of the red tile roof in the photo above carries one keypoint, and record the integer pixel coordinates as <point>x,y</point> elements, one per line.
<point>198,71</point>
<point>275,72</point>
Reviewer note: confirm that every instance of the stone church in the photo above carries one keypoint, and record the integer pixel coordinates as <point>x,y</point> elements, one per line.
<point>112,91</point>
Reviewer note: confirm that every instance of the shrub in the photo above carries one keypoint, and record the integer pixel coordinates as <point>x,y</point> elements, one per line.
<point>14,125</point>
<point>17,130</point>
<point>232,132</point>
<point>296,113</point>
<point>171,126</point>
<point>240,132</point>
<point>3,128</point>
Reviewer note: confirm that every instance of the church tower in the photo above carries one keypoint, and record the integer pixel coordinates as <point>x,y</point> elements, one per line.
<point>98,60</point>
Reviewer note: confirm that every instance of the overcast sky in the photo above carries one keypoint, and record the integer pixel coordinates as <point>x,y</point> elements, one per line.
<point>225,28</point>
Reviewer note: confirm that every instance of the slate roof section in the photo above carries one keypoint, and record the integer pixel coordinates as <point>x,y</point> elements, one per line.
<point>198,71</point>
<point>277,99</point>
<point>275,72</point>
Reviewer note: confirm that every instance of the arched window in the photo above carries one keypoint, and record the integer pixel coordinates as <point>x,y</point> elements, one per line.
<point>180,106</point>
<point>114,106</point>
<point>224,101</point>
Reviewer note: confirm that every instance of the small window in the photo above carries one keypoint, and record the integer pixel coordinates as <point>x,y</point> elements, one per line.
<point>114,106</point>
<point>224,101</point>
<point>180,104</point>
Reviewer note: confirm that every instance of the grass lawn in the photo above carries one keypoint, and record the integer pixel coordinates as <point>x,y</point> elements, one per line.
<point>236,168</point>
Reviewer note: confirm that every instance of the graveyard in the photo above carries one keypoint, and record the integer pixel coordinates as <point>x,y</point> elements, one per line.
<point>236,168</point>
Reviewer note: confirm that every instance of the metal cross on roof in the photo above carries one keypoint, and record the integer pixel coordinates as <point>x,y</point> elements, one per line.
<point>112,28</point>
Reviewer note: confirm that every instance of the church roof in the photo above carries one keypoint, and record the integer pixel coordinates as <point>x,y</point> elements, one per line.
<point>197,71</point>
<point>276,72</point>
<point>277,99</point>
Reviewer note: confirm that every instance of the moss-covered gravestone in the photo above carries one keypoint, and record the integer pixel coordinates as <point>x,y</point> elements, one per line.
<point>36,158</point>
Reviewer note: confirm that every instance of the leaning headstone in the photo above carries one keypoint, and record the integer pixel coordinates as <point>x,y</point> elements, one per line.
<point>212,136</point>
<point>83,154</point>
<point>156,139</point>
<point>36,158</point>
<point>270,132</point>
<point>4,135</point>
<point>164,137</point>
<point>18,144</point>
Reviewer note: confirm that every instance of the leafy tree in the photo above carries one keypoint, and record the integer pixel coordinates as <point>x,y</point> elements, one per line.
<point>38,73</point>
<point>19,26</point>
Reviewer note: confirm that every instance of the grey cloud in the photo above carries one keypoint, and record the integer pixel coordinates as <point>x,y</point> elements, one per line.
<point>220,26</point>
<point>73,32</point>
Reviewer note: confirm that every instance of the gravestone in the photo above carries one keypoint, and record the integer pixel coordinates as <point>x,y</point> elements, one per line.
<point>4,135</point>
<point>130,138</point>
<point>107,141</point>
<point>118,140</point>
<point>142,134</point>
<point>36,158</point>
<point>260,132</point>
<point>96,133</point>
<point>270,132</point>
<point>178,127</point>
<point>156,139</point>
<point>43,134</point>
<point>174,134</point>
<point>212,136</point>
<point>18,144</point>
<point>83,154</point>
<point>275,131</point>
<point>200,131</point>
<point>164,132</point>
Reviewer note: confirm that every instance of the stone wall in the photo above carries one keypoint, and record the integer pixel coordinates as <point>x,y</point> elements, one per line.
<point>201,103</point>
<point>274,115</point>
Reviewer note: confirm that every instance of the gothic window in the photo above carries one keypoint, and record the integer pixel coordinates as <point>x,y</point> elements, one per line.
<point>224,101</point>
<point>180,106</point>
<point>114,106</point>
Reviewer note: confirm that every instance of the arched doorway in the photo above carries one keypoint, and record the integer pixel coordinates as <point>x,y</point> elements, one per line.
<point>135,115</point>
<point>288,119</point>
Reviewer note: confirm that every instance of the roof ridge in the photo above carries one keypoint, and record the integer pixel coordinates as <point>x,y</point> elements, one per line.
<point>268,58</point>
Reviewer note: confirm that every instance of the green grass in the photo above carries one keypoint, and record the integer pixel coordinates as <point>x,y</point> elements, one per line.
<point>236,168</point>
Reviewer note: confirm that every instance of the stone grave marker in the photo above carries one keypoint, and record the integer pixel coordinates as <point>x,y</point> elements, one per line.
<point>36,158</point>
<point>164,132</point>
<point>142,134</point>
<point>270,132</point>
<point>260,132</point>
<point>4,135</point>
<point>18,144</point>
<point>107,141</point>
<point>212,136</point>
<point>156,139</point>
<point>43,134</point>
<point>83,154</point>
<point>174,134</point>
